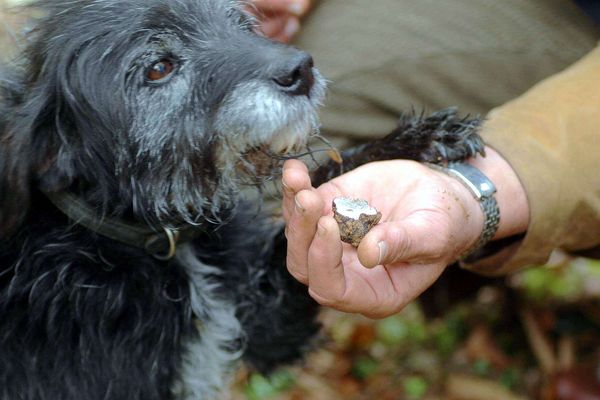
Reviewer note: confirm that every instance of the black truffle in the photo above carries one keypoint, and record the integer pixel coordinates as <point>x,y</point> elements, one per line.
<point>355,218</point>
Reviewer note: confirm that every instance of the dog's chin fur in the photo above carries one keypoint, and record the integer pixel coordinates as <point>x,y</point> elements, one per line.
<point>259,126</point>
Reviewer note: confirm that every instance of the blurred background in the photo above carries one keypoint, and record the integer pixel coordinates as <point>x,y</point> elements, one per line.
<point>533,335</point>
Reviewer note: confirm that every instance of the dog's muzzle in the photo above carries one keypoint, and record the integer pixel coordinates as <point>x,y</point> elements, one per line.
<point>270,116</point>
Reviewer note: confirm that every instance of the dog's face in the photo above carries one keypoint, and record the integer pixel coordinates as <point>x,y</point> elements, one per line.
<point>167,105</point>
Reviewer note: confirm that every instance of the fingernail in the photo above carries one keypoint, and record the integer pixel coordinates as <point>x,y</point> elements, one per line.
<point>299,208</point>
<point>285,187</point>
<point>382,252</point>
<point>291,27</point>
<point>321,231</point>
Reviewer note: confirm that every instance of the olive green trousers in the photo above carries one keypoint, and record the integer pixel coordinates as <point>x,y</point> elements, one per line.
<point>384,57</point>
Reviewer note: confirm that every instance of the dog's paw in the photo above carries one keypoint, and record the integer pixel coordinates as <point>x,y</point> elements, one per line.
<point>441,136</point>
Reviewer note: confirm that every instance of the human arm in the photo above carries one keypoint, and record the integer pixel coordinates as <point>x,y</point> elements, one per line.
<point>548,180</point>
<point>551,137</point>
<point>429,219</point>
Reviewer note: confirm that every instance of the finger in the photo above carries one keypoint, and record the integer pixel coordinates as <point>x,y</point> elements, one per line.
<point>327,281</point>
<point>412,240</point>
<point>295,178</point>
<point>295,165</point>
<point>295,7</point>
<point>329,191</point>
<point>291,26</point>
<point>300,231</point>
<point>271,26</point>
<point>280,27</point>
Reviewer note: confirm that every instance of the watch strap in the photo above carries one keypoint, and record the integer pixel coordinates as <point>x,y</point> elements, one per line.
<point>491,214</point>
<point>483,191</point>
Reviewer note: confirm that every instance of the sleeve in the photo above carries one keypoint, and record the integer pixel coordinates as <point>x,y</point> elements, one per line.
<point>551,137</point>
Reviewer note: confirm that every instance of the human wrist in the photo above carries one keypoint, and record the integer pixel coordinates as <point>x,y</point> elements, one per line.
<point>471,222</point>
<point>510,193</point>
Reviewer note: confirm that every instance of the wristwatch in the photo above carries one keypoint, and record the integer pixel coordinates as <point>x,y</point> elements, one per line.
<point>483,190</point>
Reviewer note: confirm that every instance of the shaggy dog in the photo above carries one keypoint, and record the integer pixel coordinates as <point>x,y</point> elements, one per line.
<point>130,266</point>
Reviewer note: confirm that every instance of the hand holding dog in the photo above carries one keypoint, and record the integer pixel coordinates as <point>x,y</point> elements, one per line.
<point>280,19</point>
<point>429,219</point>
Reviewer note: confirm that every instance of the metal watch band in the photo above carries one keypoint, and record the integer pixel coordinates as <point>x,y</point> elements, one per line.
<point>482,190</point>
<point>491,213</point>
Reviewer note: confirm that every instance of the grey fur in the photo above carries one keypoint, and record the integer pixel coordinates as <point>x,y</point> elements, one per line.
<point>209,358</point>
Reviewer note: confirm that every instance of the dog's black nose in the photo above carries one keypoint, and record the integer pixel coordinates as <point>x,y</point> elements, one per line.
<point>295,77</point>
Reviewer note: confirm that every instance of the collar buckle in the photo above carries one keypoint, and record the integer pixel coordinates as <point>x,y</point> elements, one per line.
<point>172,238</point>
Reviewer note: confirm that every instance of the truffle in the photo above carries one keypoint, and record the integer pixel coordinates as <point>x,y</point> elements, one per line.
<point>355,218</point>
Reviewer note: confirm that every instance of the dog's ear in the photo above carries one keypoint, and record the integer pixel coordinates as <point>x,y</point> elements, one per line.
<point>33,151</point>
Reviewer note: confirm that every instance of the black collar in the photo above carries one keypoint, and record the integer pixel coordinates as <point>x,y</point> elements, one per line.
<point>160,244</point>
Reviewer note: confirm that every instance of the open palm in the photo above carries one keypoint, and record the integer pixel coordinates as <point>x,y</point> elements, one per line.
<point>426,224</point>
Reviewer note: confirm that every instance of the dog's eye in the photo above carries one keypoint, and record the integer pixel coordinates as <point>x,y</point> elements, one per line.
<point>160,70</point>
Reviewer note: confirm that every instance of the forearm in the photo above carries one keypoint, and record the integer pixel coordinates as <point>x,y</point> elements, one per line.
<point>550,137</point>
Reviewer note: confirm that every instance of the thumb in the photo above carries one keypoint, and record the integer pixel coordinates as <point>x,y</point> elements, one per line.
<point>412,240</point>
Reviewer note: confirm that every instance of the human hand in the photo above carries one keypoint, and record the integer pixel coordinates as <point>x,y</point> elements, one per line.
<point>429,219</point>
<point>280,19</point>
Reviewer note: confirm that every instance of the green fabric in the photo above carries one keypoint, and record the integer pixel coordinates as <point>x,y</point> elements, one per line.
<point>387,56</point>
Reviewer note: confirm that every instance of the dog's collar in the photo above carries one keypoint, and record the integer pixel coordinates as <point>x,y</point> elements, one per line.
<point>160,244</point>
